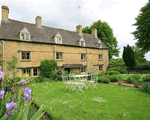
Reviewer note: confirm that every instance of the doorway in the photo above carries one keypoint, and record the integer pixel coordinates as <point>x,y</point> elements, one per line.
<point>67,69</point>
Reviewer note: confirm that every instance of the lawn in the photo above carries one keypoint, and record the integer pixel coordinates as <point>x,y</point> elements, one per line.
<point>106,102</point>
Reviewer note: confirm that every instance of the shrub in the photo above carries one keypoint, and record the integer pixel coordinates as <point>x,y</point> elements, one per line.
<point>59,75</point>
<point>12,80</point>
<point>101,74</point>
<point>121,69</point>
<point>145,87</point>
<point>136,77</point>
<point>146,78</point>
<point>41,79</point>
<point>114,78</point>
<point>131,79</point>
<point>103,80</point>
<point>48,69</point>
<point>112,72</point>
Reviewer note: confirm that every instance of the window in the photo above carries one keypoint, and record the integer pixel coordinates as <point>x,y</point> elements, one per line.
<point>25,55</point>
<point>26,71</point>
<point>82,43</point>
<point>24,34</point>
<point>99,45</point>
<point>83,57</point>
<point>58,55</point>
<point>83,69</point>
<point>58,40</point>
<point>101,67</point>
<point>35,72</point>
<point>100,56</point>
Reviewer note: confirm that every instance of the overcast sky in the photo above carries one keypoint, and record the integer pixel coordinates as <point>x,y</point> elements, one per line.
<point>119,14</point>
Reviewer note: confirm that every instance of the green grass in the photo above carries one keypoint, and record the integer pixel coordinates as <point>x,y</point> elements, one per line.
<point>119,102</point>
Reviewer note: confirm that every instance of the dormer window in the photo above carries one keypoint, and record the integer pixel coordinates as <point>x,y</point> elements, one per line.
<point>58,38</point>
<point>82,42</point>
<point>99,44</point>
<point>24,34</point>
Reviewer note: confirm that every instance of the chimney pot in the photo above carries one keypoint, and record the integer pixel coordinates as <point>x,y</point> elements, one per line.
<point>38,21</point>
<point>94,32</point>
<point>5,12</point>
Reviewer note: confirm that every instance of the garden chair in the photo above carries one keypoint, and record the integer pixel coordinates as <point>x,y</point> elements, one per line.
<point>94,79</point>
<point>68,84</point>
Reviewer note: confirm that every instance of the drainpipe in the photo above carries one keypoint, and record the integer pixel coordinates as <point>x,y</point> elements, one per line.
<point>3,55</point>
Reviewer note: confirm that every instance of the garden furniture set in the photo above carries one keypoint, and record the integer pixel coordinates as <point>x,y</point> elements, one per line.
<point>78,82</point>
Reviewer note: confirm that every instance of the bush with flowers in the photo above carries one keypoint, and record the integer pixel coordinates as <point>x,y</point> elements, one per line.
<point>17,106</point>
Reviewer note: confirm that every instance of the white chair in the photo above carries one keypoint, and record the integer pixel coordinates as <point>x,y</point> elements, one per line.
<point>68,84</point>
<point>94,79</point>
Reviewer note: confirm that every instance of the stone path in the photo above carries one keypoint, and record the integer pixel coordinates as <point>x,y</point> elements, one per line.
<point>123,84</point>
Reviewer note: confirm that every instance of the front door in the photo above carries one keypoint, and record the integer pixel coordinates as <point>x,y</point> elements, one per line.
<point>67,69</point>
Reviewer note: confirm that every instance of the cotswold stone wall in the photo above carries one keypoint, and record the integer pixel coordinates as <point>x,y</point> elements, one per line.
<point>39,52</point>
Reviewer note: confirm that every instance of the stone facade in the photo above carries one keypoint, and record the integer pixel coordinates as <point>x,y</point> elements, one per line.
<point>39,52</point>
<point>33,43</point>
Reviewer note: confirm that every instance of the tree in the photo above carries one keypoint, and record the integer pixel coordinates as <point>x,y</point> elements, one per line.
<point>142,32</point>
<point>128,57</point>
<point>105,34</point>
<point>138,55</point>
<point>12,65</point>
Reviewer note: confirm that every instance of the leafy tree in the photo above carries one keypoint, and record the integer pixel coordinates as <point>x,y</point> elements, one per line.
<point>105,34</point>
<point>139,55</point>
<point>48,68</point>
<point>142,32</point>
<point>12,65</point>
<point>128,57</point>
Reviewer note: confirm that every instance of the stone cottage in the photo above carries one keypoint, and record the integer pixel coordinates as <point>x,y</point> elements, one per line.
<point>32,43</point>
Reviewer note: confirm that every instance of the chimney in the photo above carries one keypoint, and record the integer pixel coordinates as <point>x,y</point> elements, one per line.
<point>79,29</point>
<point>5,12</point>
<point>38,21</point>
<point>94,32</point>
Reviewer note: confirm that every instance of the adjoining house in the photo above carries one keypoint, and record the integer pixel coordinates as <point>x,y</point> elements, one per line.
<point>32,43</point>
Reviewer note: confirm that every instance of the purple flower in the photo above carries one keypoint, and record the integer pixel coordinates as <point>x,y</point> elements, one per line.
<point>22,82</point>
<point>147,82</point>
<point>8,113</point>
<point>2,94</point>
<point>7,88</point>
<point>11,108</point>
<point>1,75</point>
<point>27,93</point>
<point>27,90</point>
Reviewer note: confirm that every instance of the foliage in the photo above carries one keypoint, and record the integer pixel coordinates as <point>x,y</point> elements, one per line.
<point>101,74</point>
<point>128,57</point>
<point>48,69</point>
<point>120,69</point>
<point>12,65</point>
<point>12,80</point>
<point>145,87</point>
<point>41,79</point>
<point>59,75</point>
<point>142,32</point>
<point>136,77</point>
<point>105,34</point>
<point>24,112</point>
<point>116,62</point>
<point>146,78</point>
<point>112,72</point>
<point>138,55</point>
<point>130,79</point>
<point>103,80</point>
<point>115,78</point>
<point>25,76</point>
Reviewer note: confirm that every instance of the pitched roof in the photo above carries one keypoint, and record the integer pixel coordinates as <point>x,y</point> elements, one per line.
<point>12,28</point>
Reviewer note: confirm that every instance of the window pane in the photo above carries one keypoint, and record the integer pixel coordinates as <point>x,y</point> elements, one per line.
<point>81,56</point>
<point>27,36</point>
<point>35,72</point>
<point>82,43</point>
<point>28,55</point>
<point>22,36</point>
<point>23,71</point>
<point>57,55</point>
<point>29,71</point>
<point>23,55</point>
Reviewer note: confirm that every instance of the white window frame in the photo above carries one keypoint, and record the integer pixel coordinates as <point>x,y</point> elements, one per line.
<point>34,71</point>
<point>100,67</point>
<point>58,40</point>
<point>83,69</point>
<point>82,41</point>
<point>59,56</point>
<point>83,56</point>
<point>100,58</point>
<point>25,36</point>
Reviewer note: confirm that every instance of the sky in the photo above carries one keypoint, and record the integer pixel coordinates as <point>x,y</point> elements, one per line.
<point>64,14</point>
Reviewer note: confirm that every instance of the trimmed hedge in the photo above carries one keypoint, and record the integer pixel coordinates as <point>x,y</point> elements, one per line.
<point>103,80</point>
<point>146,78</point>
<point>112,72</point>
